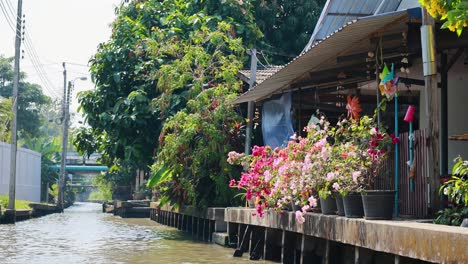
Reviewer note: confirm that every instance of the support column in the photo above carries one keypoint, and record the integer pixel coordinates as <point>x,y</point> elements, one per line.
<point>444,114</point>
<point>326,257</point>
<point>356,255</point>
<point>432,106</point>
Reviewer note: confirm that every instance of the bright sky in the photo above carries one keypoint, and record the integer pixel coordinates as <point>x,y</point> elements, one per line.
<point>61,31</point>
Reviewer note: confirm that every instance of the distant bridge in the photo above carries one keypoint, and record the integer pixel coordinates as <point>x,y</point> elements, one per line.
<point>81,168</point>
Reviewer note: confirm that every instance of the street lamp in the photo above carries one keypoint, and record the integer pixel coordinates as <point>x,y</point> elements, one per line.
<point>66,121</point>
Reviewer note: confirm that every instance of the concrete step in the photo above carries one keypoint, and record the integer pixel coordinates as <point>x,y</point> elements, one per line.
<point>220,238</point>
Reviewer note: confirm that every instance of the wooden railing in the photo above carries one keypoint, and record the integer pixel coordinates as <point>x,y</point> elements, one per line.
<point>412,203</point>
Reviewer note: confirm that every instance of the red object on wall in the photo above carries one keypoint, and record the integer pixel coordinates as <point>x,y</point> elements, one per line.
<point>409,117</point>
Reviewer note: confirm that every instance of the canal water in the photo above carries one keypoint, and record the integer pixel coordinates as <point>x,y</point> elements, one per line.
<point>82,234</point>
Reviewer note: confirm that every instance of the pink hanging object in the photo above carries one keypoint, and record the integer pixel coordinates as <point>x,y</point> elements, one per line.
<point>409,117</point>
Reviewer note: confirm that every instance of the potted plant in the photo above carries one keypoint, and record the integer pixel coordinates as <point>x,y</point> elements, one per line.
<point>142,192</point>
<point>349,169</point>
<point>378,204</point>
<point>456,190</point>
<point>363,147</point>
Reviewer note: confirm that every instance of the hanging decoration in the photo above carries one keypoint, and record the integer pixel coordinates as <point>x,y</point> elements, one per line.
<point>388,83</point>
<point>409,117</point>
<point>354,107</point>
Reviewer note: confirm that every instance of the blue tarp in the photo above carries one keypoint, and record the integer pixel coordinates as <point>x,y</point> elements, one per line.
<point>277,126</point>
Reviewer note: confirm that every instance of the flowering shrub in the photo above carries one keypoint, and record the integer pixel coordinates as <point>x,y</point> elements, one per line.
<point>455,12</point>
<point>329,159</point>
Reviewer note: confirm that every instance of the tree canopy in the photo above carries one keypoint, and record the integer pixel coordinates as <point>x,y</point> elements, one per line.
<point>164,81</point>
<point>287,26</point>
<point>31,100</point>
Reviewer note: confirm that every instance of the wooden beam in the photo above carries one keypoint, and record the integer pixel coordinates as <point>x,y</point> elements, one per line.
<point>454,59</point>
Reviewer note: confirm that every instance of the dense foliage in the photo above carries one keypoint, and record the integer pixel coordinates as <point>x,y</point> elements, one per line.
<point>5,119</point>
<point>30,103</point>
<point>456,191</point>
<point>453,12</point>
<point>208,127</point>
<point>287,26</point>
<point>164,80</point>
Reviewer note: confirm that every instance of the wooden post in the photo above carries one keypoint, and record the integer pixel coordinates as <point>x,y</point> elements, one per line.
<point>326,258</point>
<point>433,107</point>
<point>397,259</point>
<point>356,255</point>
<point>444,114</point>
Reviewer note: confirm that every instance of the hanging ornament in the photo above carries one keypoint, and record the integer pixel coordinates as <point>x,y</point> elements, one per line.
<point>354,107</point>
<point>388,83</point>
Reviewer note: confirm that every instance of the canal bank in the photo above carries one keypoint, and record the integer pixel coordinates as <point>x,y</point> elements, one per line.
<point>83,234</point>
<point>36,210</point>
<point>321,238</point>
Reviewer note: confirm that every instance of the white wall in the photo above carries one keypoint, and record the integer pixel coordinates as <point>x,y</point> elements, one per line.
<point>457,108</point>
<point>28,173</point>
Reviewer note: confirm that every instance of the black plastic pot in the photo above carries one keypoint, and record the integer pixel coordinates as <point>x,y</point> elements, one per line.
<point>328,205</point>
<point>339,204</point>
<point>353,205</point>
<point>378,204</point>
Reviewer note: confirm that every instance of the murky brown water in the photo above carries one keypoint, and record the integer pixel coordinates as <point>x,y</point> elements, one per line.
<point>85,235</point>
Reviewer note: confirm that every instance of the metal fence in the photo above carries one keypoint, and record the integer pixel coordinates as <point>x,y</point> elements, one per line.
<point>412,203</point>
<point>28,173</point>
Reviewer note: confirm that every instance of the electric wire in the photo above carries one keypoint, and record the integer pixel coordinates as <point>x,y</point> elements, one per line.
<point>33,54</point>
<point>37,65</point>
<point>7,18</point>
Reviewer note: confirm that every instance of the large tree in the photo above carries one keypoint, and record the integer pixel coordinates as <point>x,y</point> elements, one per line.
<point>31,100</point>
<point>124,121</point>
<point>164,81</point>
<point>287,26</point>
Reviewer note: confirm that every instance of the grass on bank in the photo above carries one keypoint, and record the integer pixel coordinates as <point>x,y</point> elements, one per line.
<point>19,204</point>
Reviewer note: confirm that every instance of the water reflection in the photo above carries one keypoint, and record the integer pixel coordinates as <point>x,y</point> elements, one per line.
<point>85,235</point>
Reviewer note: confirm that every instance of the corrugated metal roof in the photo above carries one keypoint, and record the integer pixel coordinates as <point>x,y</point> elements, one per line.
<point>322,55</point>
<point>336,13</point>
<point>262,74</point>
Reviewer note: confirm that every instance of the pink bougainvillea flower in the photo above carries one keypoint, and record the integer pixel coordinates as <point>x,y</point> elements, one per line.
<point>395,139</point>
<point>300,217</point>
<point>356,175</point>
<point>330,176</point>
<point>312,201</point>
<point>336,186</point>
<point>232,183</point>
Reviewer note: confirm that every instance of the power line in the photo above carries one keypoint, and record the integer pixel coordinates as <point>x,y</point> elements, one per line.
<point>7,17</point>
<point>37,65</point>
<point>77,64</point>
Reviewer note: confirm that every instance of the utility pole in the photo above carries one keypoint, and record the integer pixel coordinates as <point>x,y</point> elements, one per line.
<point>11,214</point>
<point>251,104</point>
<point>64,140</point>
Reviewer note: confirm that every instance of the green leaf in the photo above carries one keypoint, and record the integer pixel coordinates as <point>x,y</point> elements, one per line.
<point>161,175</point>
